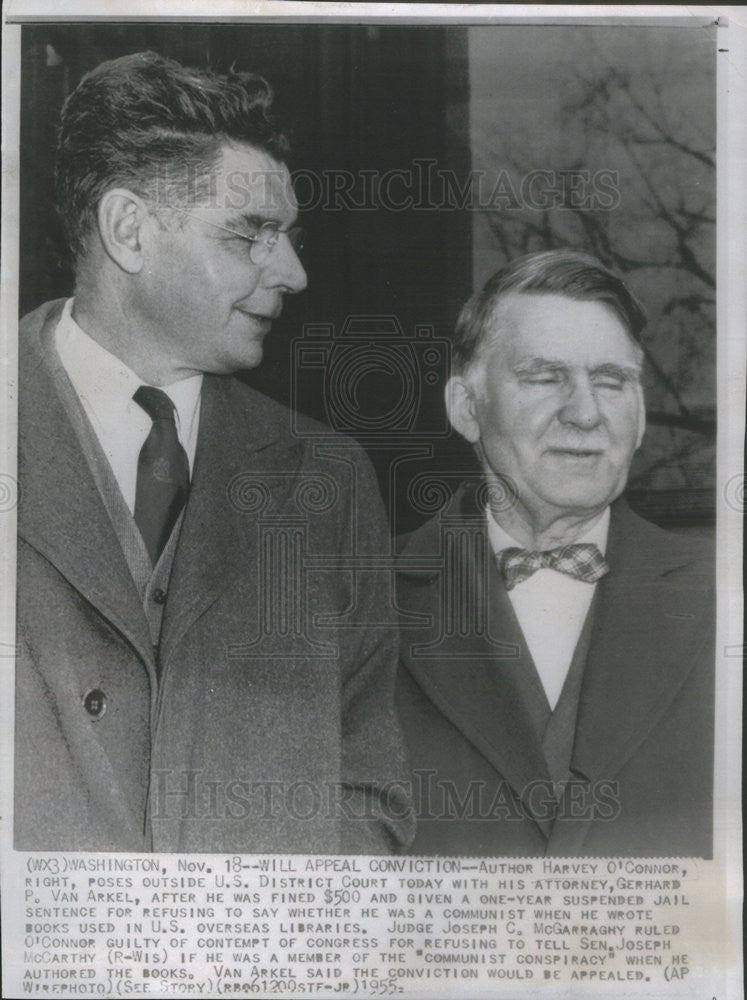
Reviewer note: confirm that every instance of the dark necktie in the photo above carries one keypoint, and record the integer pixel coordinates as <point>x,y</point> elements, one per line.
<point>583,561</point>
<point>162,472</point>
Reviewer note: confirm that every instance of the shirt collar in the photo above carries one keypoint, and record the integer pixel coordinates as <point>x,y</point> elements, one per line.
<point>597,533</point>
<point>106,383</point>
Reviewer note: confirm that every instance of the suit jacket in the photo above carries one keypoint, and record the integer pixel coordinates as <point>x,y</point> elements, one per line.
<point>264,720</point>
<point>642,756</point>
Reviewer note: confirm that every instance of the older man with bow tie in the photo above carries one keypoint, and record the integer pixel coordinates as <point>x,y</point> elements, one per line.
<point>557,680</point>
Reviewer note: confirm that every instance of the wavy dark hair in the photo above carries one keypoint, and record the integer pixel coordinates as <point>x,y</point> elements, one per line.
<point>570,273</point>
<point>148,123</point>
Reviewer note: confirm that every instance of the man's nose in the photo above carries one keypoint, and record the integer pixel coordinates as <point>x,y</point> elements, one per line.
<point>581,408</point>
<point>287,269</point>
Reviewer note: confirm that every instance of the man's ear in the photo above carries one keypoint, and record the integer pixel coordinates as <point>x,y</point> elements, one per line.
<point>460,407</point>
<point>121,216</point>
<point>641,417</point>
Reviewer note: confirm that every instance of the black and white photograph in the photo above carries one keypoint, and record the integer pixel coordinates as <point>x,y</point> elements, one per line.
<point>373,488</point>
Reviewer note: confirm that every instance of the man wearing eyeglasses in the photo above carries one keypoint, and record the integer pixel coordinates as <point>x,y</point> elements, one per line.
<point>181,680</point>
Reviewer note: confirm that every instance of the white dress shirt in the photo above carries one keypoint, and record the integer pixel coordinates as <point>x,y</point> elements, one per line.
<point>105,387</point>
<point>551,607</point>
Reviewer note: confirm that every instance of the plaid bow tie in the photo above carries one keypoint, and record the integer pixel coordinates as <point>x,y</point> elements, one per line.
<point>583,561</point>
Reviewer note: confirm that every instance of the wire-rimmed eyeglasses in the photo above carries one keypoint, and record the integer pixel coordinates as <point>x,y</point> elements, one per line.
<point>263,242</point>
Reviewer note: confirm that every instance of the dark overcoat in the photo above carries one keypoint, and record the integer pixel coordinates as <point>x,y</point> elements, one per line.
<point>264,720</point>
<point>642,757</point>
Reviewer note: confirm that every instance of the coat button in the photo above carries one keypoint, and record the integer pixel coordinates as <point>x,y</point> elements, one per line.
<point>159,596</point>
<point>95,703</point>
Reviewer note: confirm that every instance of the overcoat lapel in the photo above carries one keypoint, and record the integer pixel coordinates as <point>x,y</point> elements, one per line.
<point>237,479</point>
<point>486,704</point>
<point>639,655</point>
<point>63,515</point>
